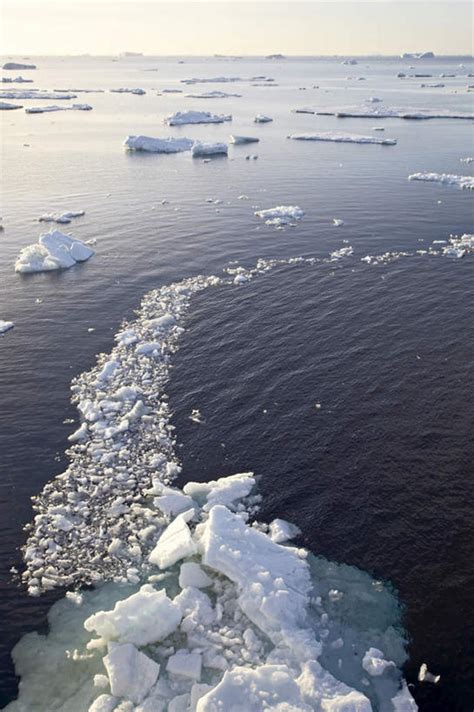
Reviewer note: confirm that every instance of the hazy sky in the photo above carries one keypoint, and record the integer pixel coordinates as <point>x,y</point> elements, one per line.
<point>239,27</point>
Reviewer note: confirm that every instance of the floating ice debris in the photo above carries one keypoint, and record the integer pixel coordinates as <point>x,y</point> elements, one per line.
<point>52,108</point>
<point>281,531</point>
<point>350,61</point>
<point>125,90</point>
<point>418,55</point>
<point>262,119</point>
<point>61,218</point>
<point>342,138</point>
<point>36,94</point>
<point>459,246</point>
<point>341,253</point>
<point>211,80</point>
<point>53,251</point>
<point>378,128</point>
<point>374,100</point>
<point>196,416</point>
<point>16,80</point>
<point>425,676</point>
<point>158,145</point>
<point>240,140</point>
<point>212,95</point>
<point>251,157</point>
<point>201,148</point>
<point>82,91</point>
<point>433,85</point>
<point>196,117</point>
<point>337,222</point>
<point>281,215</point>
<point>467,160</point>
<point>374,662</point>
<point>5,326</point>
<point>18,65</point>
<point>171,91</point>
<point>5,106</point>
<point>466,182</point>
<point>385,112</point>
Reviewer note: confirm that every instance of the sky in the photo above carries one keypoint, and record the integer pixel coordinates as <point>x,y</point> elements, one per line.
<point>202,27</point>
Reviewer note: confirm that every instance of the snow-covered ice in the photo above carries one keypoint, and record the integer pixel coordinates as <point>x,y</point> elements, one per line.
<point>181,118</point>
<point>62,218</point>
<point>240,140</point>
<point>379,111</point>
<point>212,95</point>
<point>6,106</point>
<point>53,251</point>
<point>16,80</point>
<point>36,94</point>
<point>337,137</point>
<point>281,215</point>
<point>424,675</point>
<point>202,148</point>
<point>445,178</point>
<point>125,90</point>
<point>5,326</point>
<point>54,107</point>
<point>18,65</point>
<point>262,119</point>
<point>158,145</point>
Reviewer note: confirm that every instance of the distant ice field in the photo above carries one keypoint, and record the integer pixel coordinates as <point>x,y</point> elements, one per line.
<point>343,385</point>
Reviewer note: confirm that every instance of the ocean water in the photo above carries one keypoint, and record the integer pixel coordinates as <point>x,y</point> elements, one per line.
<point>379,476</point>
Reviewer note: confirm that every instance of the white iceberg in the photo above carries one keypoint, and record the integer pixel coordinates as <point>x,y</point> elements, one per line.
<point>262,119</point>
<point>53,251</point>
<point>158,145</point>
<point>18,65</point>
<point>281,215</point>
<point>342,138</point>
<point>6,106</point>
<point>240,140</point>
<point>466,182</point>
<point>62,218</point>
<point>201,148</point>
<point>126,90</point>
<point>181,118</point>
<point>5,326</point>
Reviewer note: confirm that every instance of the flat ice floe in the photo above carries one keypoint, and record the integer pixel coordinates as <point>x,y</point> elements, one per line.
<point>54,107</point>
<point>212,95</point>
<point>281,215</point>
<point>18,65</point>
<point>180,118</point>
<point>262,119</point>
<point>201,148</point>
<point>384,112</point>
<point>240,140</point>
<point>204,610</point>
<point>211,80</point>
<point>158,145</point>
<point>16,80</point>
<point>6,106</point>
<point>62,218</point>
<point>5,326</point>
<point>126,90</point>
<point>446,178</point>
<point>53,251</point>
<point>36,94</point>
<point>342,138</point>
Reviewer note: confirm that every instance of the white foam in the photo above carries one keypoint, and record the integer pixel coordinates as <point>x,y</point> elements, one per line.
<point>180,118</point>
<point>342,138</point>
<point>158,145</point>
<point>445,178</point>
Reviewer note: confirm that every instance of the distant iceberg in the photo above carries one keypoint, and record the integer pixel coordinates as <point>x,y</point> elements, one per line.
<point>62,218</point>
<point>240,140</point>
<point>262,119</point>
<point>212,95</point>
<point>418,55</point>
<point>446,178</point>
<point>54,107</point>
<point>211,80</point>
<point>385,112</point>
<point>36,94</point>
<point>53,251</point>
<point>180,118</point>
<point>16,80</point>
<point>125,90</point>
<point>158,145</point>
<point>6,106</point>
<point>342,138</point>
<point>18,65</point>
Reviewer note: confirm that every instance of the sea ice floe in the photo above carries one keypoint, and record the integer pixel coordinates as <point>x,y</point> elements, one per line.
<point>262,119</point>
<point>126,90</point>
<point>212,95</point>
<point>54,107</point>
<point>181,118</point>
<point>424,675</point>
<point>341,253</point>
<point>131,673</point>
<point>36,94</point>
<point>281,215</point>
<point>240,140</point>
<point>337,222</point>
<point>158,145</point>
<point>337,137</point>
<point>446,178</point>
<point>18,65</point>
<point>61,218</point>
<point>16,80</point>
<point>6,106</point>
<point>211,80</point>
<point>53,251</point>
<point>281,531</point>
<point>201,148</point>
<point>384,112</point>
<point>467,160</point>
<point>5,326</point>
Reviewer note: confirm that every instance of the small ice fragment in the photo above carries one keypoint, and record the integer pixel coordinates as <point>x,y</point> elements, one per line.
<point>196,416</point>
<point>374,662</point>
<point>174,544</point>
<point>337,222</point>
<point>240,140</point>
<point>185,665</point>
<point>196,117</point>
<point>191,574</point>
<point>262,119</point>
<point>425,675</point>
<point>131,673</point>
<point>5,326</point>
<point>281,530</point>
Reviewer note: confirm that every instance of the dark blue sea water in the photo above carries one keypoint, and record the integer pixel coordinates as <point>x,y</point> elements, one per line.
<point>380,476</point>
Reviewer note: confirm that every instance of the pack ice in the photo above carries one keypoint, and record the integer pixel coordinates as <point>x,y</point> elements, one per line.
<point>466,182</point>
<point>342,138</point>
<point>196,117</point>
<point>53,251</point>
